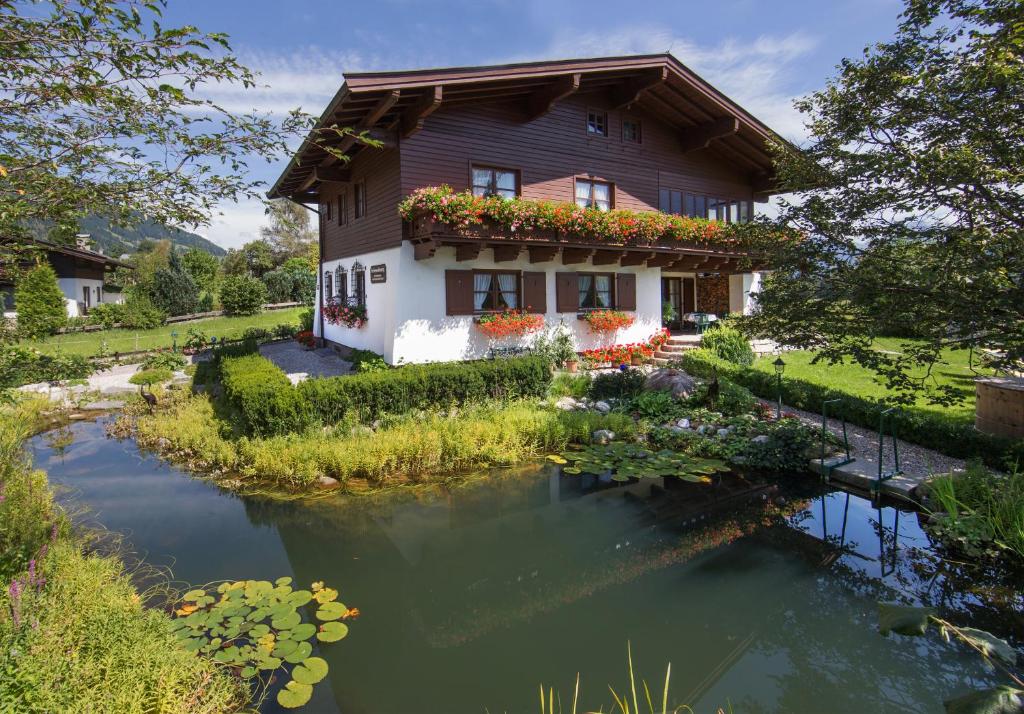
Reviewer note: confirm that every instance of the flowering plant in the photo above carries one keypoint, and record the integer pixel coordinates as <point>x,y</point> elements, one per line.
<point>608,320</point>
<point>305,338</point>
<point>337,313</point>
<point>518,215</point>
<point>510,322</point>
<point>622,354</point>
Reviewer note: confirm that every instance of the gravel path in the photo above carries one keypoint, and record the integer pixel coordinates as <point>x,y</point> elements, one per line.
<point>914,460</point>
<point>300,364</point>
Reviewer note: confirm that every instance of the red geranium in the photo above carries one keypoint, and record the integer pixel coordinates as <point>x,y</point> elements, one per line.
<point>608,320</point>
<point>509,322</point>
<point>306,338</point>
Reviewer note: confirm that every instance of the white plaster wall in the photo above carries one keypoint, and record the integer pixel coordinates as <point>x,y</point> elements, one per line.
<point>423,333</point>
<point>72,289</point>
<point>377,333</point>
<point>740,287</point>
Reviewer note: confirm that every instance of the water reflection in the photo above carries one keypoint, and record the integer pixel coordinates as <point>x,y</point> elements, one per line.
<point>471,597</point>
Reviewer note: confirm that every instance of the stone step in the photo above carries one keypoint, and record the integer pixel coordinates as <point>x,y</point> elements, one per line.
<point>660,361</point>
<point>676,347</point>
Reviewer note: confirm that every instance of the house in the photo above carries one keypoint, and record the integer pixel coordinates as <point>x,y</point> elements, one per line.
<point>621,134</point>
<point>81,275</point>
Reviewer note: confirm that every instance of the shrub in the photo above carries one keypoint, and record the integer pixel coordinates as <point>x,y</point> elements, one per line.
<point>164,359</point>
<point>256,333</point>
<point>40,303</point>
<point>728,344</point>
<point>242,295</point>
<point>367,361</point>
<point>107,314</point>
<point>279,285</point>
<point>205,302</point>
<point>429,386</point>
<point>930,430</point>
<point>20,365</point>
<point>570,385</point>
<point>285,330</point>
<point>790,444</point>
<point>555,345</point>
<point>732,398</point>
<point>617,385</point>
<point>149,377</point>
<point>139,311</point>
<point>306,320</point>
<point>657,406</point>
<point>196,339</point>
<point>173,290</point>
<point>263,396</point>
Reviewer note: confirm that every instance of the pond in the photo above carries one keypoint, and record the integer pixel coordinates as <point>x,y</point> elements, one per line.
<point>761,599</point>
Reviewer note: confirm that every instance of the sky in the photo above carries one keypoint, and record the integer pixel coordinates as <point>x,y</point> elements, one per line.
<point>761,53</point>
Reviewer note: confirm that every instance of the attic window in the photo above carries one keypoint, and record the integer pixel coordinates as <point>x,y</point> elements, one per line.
<point>597,123</point>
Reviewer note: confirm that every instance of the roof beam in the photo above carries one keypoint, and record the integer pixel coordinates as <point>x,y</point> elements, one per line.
<point>542,253</point>
<point>540,103</point>
<point>382,107</point>
<point>412,118</point>
<point>504,252</point>
<point>701,136</point>
<point>607,257</point>
<point>635,257</point>
<point>628,92</point>
<point>331,174</point>
<point>571,256</point>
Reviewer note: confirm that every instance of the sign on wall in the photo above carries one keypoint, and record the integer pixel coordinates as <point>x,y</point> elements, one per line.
<point>378,273</point>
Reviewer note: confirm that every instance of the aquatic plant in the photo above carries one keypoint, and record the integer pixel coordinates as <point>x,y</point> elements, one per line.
<point>630,460</point>
<point>256,627</point>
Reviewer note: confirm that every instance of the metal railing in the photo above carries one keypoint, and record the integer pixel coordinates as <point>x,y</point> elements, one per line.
<point>826,469</point>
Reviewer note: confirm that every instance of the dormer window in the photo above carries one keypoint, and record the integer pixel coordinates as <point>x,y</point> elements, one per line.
<point>488,181</point>
<point>597,123</point>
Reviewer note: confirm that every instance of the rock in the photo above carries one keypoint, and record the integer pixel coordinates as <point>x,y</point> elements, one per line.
<point>760,439</point>
<point>702,429</point>
<point>676,381</point>
<point>722,433</point>
<point>566,404</point>
<point>103,405</point>
<point>163,443</point>
<point>327,483</point>
<point>676,429</point>
<point>683,423</point>
<point>602,407</point>
<point>602,436</point>
<point>115,389</point>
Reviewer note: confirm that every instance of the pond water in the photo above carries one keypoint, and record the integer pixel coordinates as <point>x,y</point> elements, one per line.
<point>472,597</point>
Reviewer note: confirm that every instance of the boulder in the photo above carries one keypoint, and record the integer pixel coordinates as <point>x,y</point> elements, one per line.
<point>683,423</point>
<point>327,483</point>
<point>602,407</point>
<point>760,439</point>
<point>602,436</point>
<point>566,404</point>
<point>680,384</point>
<point>103,405</point>
<point>722,433</point>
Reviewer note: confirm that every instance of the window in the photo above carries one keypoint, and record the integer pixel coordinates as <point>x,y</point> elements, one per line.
<point>329,214</point>
<point>341,283</point>
<point>360,199</point>
<point>596,290</point>
<point>593,194</point>
<point>689,204</point>
<point>494,182</point>
<point>343,207</point>
<point>328,288</point>
<point>359,284</point>
<point>631,133</point>
<point>597,123</point>
<point>494,291</point>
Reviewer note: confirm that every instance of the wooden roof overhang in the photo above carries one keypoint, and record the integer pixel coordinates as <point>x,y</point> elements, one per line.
<point>428,236</point>
<point>391,106</point>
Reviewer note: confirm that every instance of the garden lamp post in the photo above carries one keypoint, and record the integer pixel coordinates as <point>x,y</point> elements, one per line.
<point>174,341</point>
<point>780,367</point>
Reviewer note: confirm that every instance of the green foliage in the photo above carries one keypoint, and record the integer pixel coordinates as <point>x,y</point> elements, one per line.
<point>306,320</point>
<point>790,444</point>
<point>21,365</point>
<point>256,333</point>
<point>164,359</point>
<point>728,344</point>
<point>657,406</point>
<point>979,510</point>
<point>173,290</point>
<point>264,398</point>
<point>149,377</point>
<point>428,386</point>
<point>39,302</point>
<point>367,361</point>
<point>139,312</point>
<point>565,384</point>
<point>256,627</point>
<point>196,339</point>
<point>202,266</point>
<point>621,384</point>
<point>285,330</point>
<point>205,303</point>
<point>242,295</point>
<point>106,314</point>
<point>555,345</point>
<point>253,259</point>
<point>924,428</point>
<point>628,460</point>
<point>292,282</point>
<point>909,204</point>
<point>291,234</point>
<point>732,400</point>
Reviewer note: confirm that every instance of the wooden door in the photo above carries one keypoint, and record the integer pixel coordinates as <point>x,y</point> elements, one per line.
<point>671,292</point>
<point>689,295</point>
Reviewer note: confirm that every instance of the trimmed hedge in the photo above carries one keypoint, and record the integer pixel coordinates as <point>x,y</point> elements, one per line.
<point>943,435</point>
<point>265,399</point>
<point>427,386</point>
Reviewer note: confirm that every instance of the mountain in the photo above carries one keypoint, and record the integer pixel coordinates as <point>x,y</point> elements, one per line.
<point>116,240</point>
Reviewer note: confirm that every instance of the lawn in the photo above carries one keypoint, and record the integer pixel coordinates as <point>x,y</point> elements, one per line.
<point>854,379</point>
<point>90,343</point>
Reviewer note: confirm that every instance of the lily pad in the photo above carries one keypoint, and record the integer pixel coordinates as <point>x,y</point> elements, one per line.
<point>286,622</point>
<point>294,695</point>
<point>325,595</point>
<point>311,671</point>
<point>332,631</point>
<point>903,619</point>
<point>303,631</point>
<point>999,700</point>
<point>991,645</point>
<point>331,611</point>
<point>301,652</point>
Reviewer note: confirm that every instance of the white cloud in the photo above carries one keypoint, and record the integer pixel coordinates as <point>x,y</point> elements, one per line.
<point>235,224</point>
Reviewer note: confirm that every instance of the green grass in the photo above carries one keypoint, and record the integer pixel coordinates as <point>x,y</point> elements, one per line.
<point>855,380</point>
<point>118,340</point>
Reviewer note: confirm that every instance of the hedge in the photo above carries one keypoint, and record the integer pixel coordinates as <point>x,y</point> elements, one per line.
<point>20,365</point>
<point>428,386</point>
<point>265,399</point>
<point>930,430</point>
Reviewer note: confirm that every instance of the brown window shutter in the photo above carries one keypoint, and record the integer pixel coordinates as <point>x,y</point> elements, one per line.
<point>535,293</point>
<point>625,291</point>
<point>458,290</point>
<point>567,292</point>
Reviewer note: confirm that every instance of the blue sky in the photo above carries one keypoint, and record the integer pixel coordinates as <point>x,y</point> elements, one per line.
<point>762,53</point>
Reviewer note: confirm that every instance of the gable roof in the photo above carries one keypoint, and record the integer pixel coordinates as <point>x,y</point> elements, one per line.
<point>394,105</point>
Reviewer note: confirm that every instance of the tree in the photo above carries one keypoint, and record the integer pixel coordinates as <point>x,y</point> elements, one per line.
<point>202,266</point>
<point>39,302</point>
<point>910,204</point>
<point>151,257</point>
<point>106,111</point>
<point>242,295</point>
<point>173,289</point>
<point>290,233</point>
<point>254,258</point>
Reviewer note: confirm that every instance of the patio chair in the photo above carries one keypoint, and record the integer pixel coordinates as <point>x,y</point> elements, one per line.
<point>701,320</point>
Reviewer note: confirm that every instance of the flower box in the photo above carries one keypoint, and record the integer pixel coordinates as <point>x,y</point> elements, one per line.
<point>509,323</point>
<point>608,320</point>
<point>337,313</point>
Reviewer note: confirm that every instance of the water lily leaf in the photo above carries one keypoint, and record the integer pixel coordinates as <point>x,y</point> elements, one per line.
<point>294,695</point>
<point>269,663</point>
<point>286,622</point>
<point>248,672</point>
<point>303,631</point>
<point>557,459</point>
<point>313,670</point>
<point>283,581</point>
<point>332,631</point>
<point>285,648</point>
<point>999,700</point>
<point>572,470</point>
<point>325,595</point>
<point>991,645</point>
<point>318,585</point>
<point>331,610</point>
<point>903,619</point>
<point>300,598</point>
<point>193,644</point>
<point>193,595</point>
<point>301,652</point>
<point>258,631</point>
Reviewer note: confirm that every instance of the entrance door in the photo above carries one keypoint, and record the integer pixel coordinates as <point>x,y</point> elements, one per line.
<point>689,295</point>
<point>672,293</point>
<point>86,295</point>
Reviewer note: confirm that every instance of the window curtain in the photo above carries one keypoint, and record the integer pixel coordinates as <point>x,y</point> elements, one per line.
<point>585,282</point>
<point>583,193</point>
<point>603,290</point>
<point>602,196</point>
<point>507,285</point>
<point>481,287</point>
